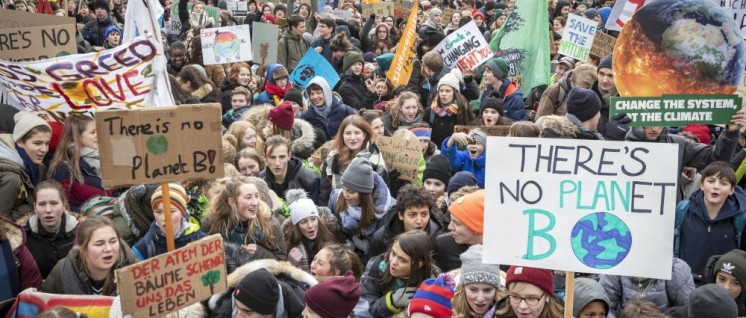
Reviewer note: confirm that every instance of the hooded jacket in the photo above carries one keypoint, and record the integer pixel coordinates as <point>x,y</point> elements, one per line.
<point>461,161</point>
<point>94,31</point>
<point>393,227</point>
<point>18,271</point>
<point>265,97</point>
<point>154,242</point>
<point>354,92</point>
<point>336,111</point>
<point>583,132</point>
<point>586,291</point>
<point>49,248</point>
<point>16,188</point>
<point>290,49</point>
<point>512,95</point>
<point>297,176</point>
<point>382,202</point>
<point>304,139</point>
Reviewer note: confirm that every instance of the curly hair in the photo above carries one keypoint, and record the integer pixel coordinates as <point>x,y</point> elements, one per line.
<point>413,196</point>
<point>396,107</point>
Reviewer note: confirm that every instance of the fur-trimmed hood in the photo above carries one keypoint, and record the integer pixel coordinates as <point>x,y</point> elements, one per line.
<point>14,233</point>
<point>70,222</point>
<point>303,135</point>
<point>558,125</point>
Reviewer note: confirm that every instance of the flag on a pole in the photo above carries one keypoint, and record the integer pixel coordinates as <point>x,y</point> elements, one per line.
<point>401,66</point>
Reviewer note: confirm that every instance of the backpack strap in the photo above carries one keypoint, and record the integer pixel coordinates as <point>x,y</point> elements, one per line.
<point>560,97</point>
<point>739,223</point>
<point>681,211</point>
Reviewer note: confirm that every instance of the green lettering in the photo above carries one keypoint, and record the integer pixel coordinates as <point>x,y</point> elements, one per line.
<point>564,191</point>
<point>601,193</point>
<point>623,196</point>
<point>542,233</point>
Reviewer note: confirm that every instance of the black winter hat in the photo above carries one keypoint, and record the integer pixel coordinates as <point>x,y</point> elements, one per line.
<point>438,168</point>
<point>294,95</point>
<point>259,291</point>
<point>605,62</point>
<point>489,6</point>
<point>583,103</point>
<point>101,4</point>
<point>459,180</point>
<point>494,103</point>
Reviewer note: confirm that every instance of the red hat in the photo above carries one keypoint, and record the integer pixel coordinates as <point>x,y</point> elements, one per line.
<point>282,116</point>
<point>478,13</point>
<point>538,277</point>
<point>334,297</point>
<point>433,298</point>
<point>57,129</point>
<point>269,17</point>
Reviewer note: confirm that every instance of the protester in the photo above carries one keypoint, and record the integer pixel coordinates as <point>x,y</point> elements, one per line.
<point>729,272</point>
<point>406,112</point>
<point>332,298</point>
<point>530,294</point>
<point>466,229</point>
<point>94,31</point>
<point>356,91</point>
<point>17,264</point>
<point>306,232</point>
<point>590,299</point>
<point>334,260</point>
<point>479,286</point>
<point>450,108</point>
<point>292,46</point>
<point>239,75</point>
<point>276,85</point>
<point>285,172</point>
<point>326,111</point>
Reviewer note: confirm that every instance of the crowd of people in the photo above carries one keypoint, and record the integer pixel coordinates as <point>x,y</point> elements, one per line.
<point>314,222</point>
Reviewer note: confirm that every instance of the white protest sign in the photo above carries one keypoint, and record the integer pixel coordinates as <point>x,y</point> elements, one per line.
<point>736,8</point>
<point>578,38</point>
<point>238,8</point>
<point>226,44</point>
<point>623,11</point>
<point>464,48</point>
<point>577,205</point>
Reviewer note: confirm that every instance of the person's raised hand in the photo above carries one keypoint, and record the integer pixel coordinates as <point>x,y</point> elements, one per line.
<point>738,121</point>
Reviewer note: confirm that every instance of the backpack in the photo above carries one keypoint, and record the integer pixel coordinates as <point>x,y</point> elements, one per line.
<point>682,210</point>
<point>532,102</point>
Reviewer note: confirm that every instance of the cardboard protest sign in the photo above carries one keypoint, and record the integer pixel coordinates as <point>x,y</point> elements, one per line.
<point>158,145</point>
<point>37,43</point>
<point>171,281</point>
<point>464,48</point>
<point>121,77</point>
<point>264,42</point>
<point>736,9</point>
<point>402,65</point>
<point>499,130</point>
<point>677,110</point>
<point>402,152</point>
<point>402,8</point>
<point>238,8</point>
<point>342,14</point>
<point>622,11</point>
<point>175,29</point>
<point>311,65</point>
<point>19,19</point>
<point>579,205</point>
<point>603,44</point>
<point>578,37</point>
<point>226,44</point>
<point>382,9</point>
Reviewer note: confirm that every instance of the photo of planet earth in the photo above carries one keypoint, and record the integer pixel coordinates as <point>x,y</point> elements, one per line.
<point>678,47</point>
<point>601,240</point>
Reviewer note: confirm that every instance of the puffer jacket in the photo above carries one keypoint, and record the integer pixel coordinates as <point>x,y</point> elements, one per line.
<point>49,248</point>
<point>665,294</point>
<point>297,176</point>
<point>384,236</point>
<point>290,49</point>
<point>354,92</point>
<point>16,188</point>
<point>512,96</point>
<point>238,233</point>
<point>293,284</point>
<point>154,242</point>
<point>461,161</point>
<point>338,111</point>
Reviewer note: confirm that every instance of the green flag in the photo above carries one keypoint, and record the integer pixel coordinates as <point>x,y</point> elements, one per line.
<point>523,42</point>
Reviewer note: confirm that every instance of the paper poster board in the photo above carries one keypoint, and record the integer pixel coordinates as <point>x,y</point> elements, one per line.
<point>403,63</point>
<point>264,42</point>
<point>342,14</point>
<point>19,19</point>
<point>578,37</point>
<point>578,205</point>
<point>238,8</point>
<point>37,43</point>
<point>226,44</point>
<point>85,83</point>
<point>464,48</point>
<point>499,130</point>
<point>311,65</point>
<point>603,44</point>
<point>382,9</point>
<point>402,152</point>
<point>157,145</point>
<point>171,281</point>
<point>677,110</point>
<point>175,29</point>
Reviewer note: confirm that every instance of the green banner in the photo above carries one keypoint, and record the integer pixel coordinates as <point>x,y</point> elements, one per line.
<point>677,110</point>
<point>523,42</point>
<point>212,12</point>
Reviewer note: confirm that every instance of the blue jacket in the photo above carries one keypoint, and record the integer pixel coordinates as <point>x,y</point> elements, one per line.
<point>337,111</point>
<point>264,97</point>
<point>513,106</point>
<point>9,279</point>
<point>326,48</point>
<point>154,243</point>
<point>461,161</point>
<point>702,237</point>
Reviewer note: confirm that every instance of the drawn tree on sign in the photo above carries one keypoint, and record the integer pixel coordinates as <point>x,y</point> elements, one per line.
<point>211,278</point>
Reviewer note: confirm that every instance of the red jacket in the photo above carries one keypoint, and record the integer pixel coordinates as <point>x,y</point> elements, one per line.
<point>28,272</point>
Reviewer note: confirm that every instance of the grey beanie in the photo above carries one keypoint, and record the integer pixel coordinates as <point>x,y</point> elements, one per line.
<point>479,136</point>
<point>473,271</point>
<point>358,176</point>
<point>712,301</point>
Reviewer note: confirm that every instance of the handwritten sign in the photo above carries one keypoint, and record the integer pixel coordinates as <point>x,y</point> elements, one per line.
<point>121,77</point>
<point>499,130</point>
<point>578,205</point>
<point>264,42</point>
<point>226,44</point>
<point>157,145</point>
<point>171,281</point>
<point>603,44</point>
<point>11,19</point>
<point>402,9</point>
<point>464,48</point>
<point>212,13</point>
<point>342,14</point>
<point>403,63</point>
<point>402,152</point>
<point>381,9</point>
<point>37,43</point>
<point>677,110</point>
<point>736,9</point>
<point>311,65</point>
<point>578,37</point>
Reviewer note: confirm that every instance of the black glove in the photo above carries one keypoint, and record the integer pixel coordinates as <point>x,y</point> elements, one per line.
<point>616,128</point>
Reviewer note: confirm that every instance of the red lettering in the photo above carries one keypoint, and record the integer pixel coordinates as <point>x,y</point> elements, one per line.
<point>91,82</point>
<point>133,86</point>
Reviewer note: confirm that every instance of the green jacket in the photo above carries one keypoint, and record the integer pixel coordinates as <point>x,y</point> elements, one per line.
<point>16,188</point>
<point>290,49</point>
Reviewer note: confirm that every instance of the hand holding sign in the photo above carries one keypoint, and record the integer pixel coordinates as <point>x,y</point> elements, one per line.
<point>738,121</point>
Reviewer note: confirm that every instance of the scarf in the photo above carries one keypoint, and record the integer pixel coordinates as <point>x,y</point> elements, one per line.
<point>277,93</point>
<point>90,156</point>
<point>321,111</point>
<point>31,168</point>
<point>606,96</point>
<point>443,111</point>
<point>404,123</point>
<point>488,313</point>
<point>198,19</point>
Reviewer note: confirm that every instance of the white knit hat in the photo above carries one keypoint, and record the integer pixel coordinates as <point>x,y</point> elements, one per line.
<point>26,121</point>
<point>301,209</point>
<point>452,79</point>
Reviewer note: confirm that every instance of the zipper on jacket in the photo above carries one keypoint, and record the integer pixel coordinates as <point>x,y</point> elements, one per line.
<point>709,229</point>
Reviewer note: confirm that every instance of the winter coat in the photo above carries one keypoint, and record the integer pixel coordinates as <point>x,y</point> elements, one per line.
<point>332,172</point>
<point>77,192</point>
<point>587,290</point>
<point>326,49</point>
<point>702,237</point>
<point>442,127</point>
<point>23,272</point>
<point>692,154</point>
<point>204,94</point>
<point>132,214</point>
<point>604,108</point>
<point>388,121</point>
<point>384,236</point>
<point>297,176</point>
<point>469,88</point>
<point>237,234</point>
<point>332,223</point>
<point>234,114</point>
<point>512,96</point>
<point>226,88</point>
<point>16,188</point>
<point>94,31</point>
<point>338,111</point>
<point>354,92</point>
<point>49,248</point>
<point>548,102</point>
<point>154,242</point>
<point>372,296</point>
<point>265,97</point>
<point>303,137</point>
<point>69,276</point>
<point>290,49</point>
<point>664,293</point>
<point>461,161</point>
<point>293,284</point>
<point>216,73</point>
<point>583,133</point>
<point>448,252</point>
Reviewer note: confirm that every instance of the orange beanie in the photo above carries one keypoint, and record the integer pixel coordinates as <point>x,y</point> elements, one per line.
<point>469,209</point>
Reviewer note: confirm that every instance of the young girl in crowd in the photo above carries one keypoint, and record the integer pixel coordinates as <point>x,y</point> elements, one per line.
<point>479,289</point>
<point>448,108</point>
<point>335,260</point>
<point>249,162</point>
<point>196,82</point>
<point>89,267</point>
<point>76,164</point>
<point>186,229</point>
<point>472,159</point>
<point>246,135</point>
<point>530,294</point>
<point>453,25</point>
<point>307,232</point>
<point>390,280</point>
<point>241,217</point>
<point>239,75</point>
<point>276,85</point>
<point>492,114</point>
<point>373,117</point>
<point>355,90</point>
<point>406,112</point>
<point>51,230</point>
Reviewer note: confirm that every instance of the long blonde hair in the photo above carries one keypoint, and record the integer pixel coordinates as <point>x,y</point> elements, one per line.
<point>460,305</point>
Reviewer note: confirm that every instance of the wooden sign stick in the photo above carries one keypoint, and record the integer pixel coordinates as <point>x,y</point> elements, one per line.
<point>167,215</point>
<point>569,292</point>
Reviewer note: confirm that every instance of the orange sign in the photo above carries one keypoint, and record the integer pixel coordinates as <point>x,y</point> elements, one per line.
<point>401,67</point>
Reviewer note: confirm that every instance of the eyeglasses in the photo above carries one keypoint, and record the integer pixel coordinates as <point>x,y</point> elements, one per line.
<point>531,301</point>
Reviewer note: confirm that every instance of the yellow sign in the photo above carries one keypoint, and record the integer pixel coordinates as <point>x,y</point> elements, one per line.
<point>401,67</point>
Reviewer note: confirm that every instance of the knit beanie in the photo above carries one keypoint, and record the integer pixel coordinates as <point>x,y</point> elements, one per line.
<point>103,4</point>
<point>474,271</point>
<point>712,301</point>
<point>25,122</point>
<point>469,210</point>
<point>301,209</point>
<point>489,5</point>
<point>358,176</point>
<point>539,277</point>
<point>459,180</point>
<point>494,103</point>
<point>260,291</point>
<point>350,58</point>
<point>422,133</point>
<point>478,136</point>
<point>452,79</point>
<point>110,29</point>
<point>605,62</point>
<point>434,12</point>
<point>335,297</point>
<point>478,13</point>
<point>499,67</point>
<point>282,116</point>
<point>269,17</point>
<point>734,263</point>
<point>279,72</point>
<point>178,196</point>
<point>583,103</point>
<point>438,168</point>
<point>369,57</point>
<point>294,94</point>
<point>590,13</point>
<point>432,298</point>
